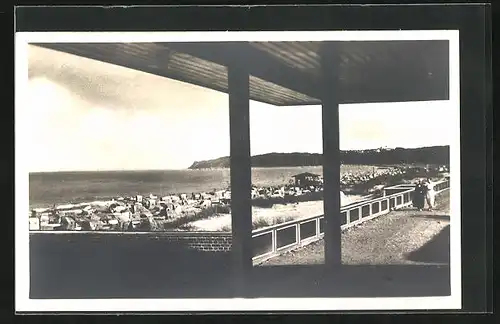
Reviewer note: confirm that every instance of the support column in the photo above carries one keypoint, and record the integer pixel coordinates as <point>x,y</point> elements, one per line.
<point>331,153</point>
<point>241,176</point>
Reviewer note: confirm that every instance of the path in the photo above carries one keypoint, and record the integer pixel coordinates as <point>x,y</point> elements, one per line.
<point>403,253</point>
<point>396,238</point>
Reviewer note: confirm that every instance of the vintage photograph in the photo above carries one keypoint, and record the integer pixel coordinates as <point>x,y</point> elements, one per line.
<point>169,168</point>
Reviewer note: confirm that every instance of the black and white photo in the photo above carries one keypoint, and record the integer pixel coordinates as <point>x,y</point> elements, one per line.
<point>207,171</point>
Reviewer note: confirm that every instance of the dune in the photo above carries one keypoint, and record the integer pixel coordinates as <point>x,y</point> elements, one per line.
<point>278,212</point>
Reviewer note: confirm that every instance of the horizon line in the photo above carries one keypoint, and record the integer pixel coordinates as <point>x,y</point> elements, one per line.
<point>222,157</point>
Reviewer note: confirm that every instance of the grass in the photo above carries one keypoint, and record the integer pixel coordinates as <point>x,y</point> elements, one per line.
<point>262,222</point>
<point>270,202</point>
<point>225,228</point>
<point>203,214</point>
<point>187,227</point>
<point>183,222</point>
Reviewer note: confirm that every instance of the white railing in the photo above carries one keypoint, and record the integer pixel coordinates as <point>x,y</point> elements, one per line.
<point>273,240</point>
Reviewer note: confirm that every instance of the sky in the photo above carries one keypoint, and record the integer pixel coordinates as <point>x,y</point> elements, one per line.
<point>89,115</point>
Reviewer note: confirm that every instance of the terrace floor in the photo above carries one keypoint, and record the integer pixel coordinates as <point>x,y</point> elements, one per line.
<point>399,238</point>
<point>403,253</point>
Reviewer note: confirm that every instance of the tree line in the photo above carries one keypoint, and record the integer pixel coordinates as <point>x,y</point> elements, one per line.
<point>425,155</point>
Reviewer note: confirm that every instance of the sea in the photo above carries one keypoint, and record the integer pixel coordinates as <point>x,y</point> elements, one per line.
<point>49,188</point>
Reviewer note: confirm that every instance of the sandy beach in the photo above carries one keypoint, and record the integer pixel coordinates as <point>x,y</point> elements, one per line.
<point>269,215</point>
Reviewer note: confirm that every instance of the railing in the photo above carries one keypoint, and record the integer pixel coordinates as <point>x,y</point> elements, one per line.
<point>273,240</point>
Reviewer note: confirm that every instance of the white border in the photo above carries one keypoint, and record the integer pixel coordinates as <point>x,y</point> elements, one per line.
<point>24,304</point>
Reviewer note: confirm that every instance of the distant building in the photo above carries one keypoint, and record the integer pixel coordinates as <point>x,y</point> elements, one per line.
<point>307,179</point>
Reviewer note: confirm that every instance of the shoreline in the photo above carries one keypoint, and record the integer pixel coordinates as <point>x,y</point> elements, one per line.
<point>207,210</point>
<point>42,196</point>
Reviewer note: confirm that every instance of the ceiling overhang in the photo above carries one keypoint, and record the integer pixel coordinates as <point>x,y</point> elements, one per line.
<point>288,73</point>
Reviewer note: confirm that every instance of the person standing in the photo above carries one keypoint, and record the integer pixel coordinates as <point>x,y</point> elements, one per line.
<point>430,194</point>
<point>423,194</point>
<point>415,194</point>
<point>419,198</point>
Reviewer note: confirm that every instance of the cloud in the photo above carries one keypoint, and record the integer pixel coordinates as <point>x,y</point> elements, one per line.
<point>67,132</point>
<point>115,87</point>
<point>88,115</point>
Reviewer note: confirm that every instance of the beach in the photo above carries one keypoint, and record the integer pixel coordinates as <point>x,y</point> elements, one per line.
<point>276,214</point>
<point>98,200</point>
<point>48,188</point>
